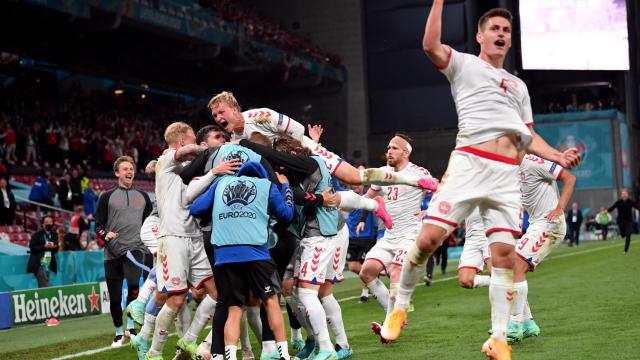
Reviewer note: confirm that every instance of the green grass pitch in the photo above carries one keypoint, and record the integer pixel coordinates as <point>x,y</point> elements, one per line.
<point>586,301</point>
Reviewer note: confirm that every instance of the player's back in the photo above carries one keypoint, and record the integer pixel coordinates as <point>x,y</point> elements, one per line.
<point>173,210</point>
<point>540,192</point>
<point>490,102</point>
<point>403,201</point>
<point>270,124</point>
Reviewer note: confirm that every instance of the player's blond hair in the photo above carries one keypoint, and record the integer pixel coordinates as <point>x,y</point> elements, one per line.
<point>175,132</point>
<point>226,97</point>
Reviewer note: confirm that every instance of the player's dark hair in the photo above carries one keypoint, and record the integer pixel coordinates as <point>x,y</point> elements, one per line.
<point>499,12</point>
<point>204,132</point>
<point>404,136</point>
<point>289,145</point>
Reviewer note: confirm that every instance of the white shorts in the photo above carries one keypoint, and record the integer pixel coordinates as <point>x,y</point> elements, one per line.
<point>475,253</point>
<point>392,251</point>
<point>182,261</point>
<point>541,237</point>
<point>478,179</point>
<point>339,259</point>
<point>316,256</point>
<point>149,233</point>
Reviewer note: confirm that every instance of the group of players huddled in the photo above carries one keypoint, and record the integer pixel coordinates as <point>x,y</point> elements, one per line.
<point>241,223</point>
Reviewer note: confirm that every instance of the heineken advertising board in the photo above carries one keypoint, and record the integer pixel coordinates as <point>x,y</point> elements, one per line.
<point>38,305</point>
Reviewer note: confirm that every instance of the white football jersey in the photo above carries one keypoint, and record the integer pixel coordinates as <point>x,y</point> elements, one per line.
<point>270,124</point>
<point>540,192</point>
<point>173,209</point>
<point>490,102</point>
<point>403,202</point>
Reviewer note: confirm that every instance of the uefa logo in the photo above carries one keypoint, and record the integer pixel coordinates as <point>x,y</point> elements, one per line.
<point>239,155</point>
<point>241,192</point>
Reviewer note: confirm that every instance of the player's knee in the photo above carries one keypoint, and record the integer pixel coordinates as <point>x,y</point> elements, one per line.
<point>465,282</point>
<point>367,274</point>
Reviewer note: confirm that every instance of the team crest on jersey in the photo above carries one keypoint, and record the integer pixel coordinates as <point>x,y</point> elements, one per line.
<point>444,207</point>
<point>241,192</point>
<point>239,155</point>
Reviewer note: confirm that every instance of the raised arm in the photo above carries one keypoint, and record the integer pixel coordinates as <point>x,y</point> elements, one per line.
<point>568,184</point>
<point>568,159</point>
<point>431,42</point>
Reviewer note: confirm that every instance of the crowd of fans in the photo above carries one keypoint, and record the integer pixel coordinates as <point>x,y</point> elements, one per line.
<point>269,31</point>
<point>574,106</point>
<point>85,129</point>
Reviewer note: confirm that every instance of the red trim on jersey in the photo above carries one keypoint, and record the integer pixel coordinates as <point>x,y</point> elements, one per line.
<point>336,168</point>
<point>487,259</point>
<point>492,230</point>
<point>201,284</point>
<point>450,223</point>
<point>560,173</point>
<point>470,267</point>
<point>176,154</point>
<point>530,123</point>
<point>532,268</point>
<point>177,291</point>
<point>448,60</point>
<point>288,123</point>
<point>378,260</point>
<point>488,155</point>
<point>309,282</point>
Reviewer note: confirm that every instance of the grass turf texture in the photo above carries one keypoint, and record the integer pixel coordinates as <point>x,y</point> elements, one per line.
<point>585,300</point>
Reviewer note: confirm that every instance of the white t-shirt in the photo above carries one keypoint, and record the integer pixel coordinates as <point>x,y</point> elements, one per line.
<point>270,124</point>
<point>173,207</point>
<point>540,192</point>
<point>490,102</point>
<point>403,202</point>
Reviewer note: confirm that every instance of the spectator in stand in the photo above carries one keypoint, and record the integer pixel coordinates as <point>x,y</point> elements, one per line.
<point>31,155</point>
<point>10,144</point>
<point>574,220</point>
<point>3,169</point>
<point>40,189</point>
<point>51,140</point>
<point>624,205</point>
<point>53,186</point>
<point>7,203</point>
<point>77,225</point>
<point>75,182</point>
<point>65,195</point>
<point>43,249</point>
<point>603,219</point>
<point>90,198</point>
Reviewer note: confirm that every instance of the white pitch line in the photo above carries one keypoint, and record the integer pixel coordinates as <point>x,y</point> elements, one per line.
<point>107,348</point>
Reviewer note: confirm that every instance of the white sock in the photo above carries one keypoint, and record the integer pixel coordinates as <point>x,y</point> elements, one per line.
<point>230,352</point>
<point>146,332</point>
<point>526,314</point>
<point>183,321</point>
<point>379,292</point>
<point>334,318</point>
<point>200,318</point>
<point>146,290</point>
<point>481,281</point>
<point>351,200</point>
<point>317,317</point>
<point>163,324</point>
<point>410,275</point>
<point>269,347</point>
<point>245,343</point>
<point>501,294</point>
<point>393,294</point>
<point>296,334</point>
<point>283,350</point>
<point>378,176</point>
<point>519,301</point>
<point>253,317</point>
<point>365,291</point>
<point>300,313</point>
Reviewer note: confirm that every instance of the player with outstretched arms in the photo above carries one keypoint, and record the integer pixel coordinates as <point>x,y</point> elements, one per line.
<point>494,123</point>
<point>226,113</point>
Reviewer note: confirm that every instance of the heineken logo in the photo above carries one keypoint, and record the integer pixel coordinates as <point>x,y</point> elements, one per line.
<point>64,301</point>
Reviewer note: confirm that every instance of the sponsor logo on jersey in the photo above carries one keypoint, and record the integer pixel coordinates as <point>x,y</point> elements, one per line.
<point>444,207</point>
